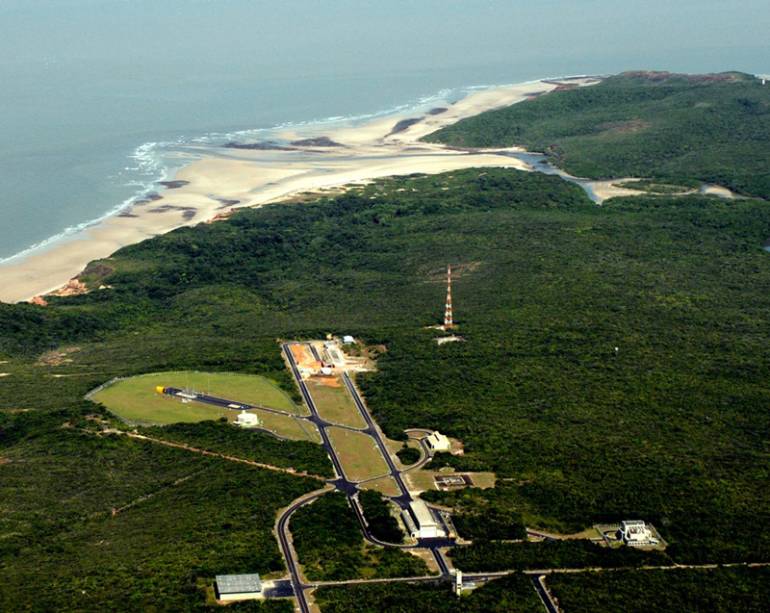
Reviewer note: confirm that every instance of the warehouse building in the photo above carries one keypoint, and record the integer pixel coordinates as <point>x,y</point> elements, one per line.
<point>420,521</point>
<point>238,587</point>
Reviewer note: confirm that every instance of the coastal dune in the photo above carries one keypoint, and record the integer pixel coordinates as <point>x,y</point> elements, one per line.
<point>224,179</point>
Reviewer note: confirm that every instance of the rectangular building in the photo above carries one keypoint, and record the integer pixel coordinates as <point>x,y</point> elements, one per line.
<point>636,533</point>
<point>425,524</point>
<point>238,587</point>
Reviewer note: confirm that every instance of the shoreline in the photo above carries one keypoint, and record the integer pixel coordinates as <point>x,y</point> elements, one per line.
<point>216,181</point>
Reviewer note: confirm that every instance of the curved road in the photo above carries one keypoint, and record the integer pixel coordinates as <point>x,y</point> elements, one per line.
<point>282,528</point>
<point>349,488</point>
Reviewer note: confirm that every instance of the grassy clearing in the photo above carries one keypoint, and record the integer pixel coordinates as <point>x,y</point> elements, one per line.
<point>136,406</point>
<point>424,480</point>
<point>358,453</point>
<point>136,400</point>
<point>384,485</point>
<point>335,405</point>
<point>287,427</point>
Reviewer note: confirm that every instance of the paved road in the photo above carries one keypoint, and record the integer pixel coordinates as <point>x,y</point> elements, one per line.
<point>342,483</point>
<point>545,596</point>
<point>365,527</point>
<point>405,498</point>
<point>434,545</point>
<point>226,404</point>
<point>346,486</point>
<point>288,553</point>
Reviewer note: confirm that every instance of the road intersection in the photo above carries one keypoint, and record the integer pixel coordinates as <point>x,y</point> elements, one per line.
<point>298,586</point>
<point>344,485</point>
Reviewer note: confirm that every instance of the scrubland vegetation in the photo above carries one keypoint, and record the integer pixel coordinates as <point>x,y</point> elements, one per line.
<point>714,128</point>
<point>615,366</point>
<point>330,545</point>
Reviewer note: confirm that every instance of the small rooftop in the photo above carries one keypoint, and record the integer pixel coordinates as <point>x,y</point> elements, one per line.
<point>238,584</point>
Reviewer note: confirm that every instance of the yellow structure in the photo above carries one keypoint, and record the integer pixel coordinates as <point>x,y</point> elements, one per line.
<point>160,389</point>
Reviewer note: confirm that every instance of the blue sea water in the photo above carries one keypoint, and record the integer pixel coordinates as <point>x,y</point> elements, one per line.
<point>95,93</point>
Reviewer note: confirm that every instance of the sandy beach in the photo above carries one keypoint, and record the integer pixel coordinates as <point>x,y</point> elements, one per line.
<point>220,180</point>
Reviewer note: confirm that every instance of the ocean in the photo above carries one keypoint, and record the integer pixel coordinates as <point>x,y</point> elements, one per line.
<point>97,95</point>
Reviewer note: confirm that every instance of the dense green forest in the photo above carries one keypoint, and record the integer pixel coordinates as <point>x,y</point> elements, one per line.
<point>481,515</point>
<point>513,594</point>
<point>491,556</point>
<point>94,523</point>
<point>330,546</point>
<point>614,366</point>
<point>250,445</point>
<point>377,513</point>
<point>715,128</point>
<point>720,590</point>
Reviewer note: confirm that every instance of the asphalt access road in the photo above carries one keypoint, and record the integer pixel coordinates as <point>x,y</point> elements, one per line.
<point>341,483</point>
<point>290,561</point>
<point>550,606</point>
<point>405,498</point>
<point>349,487</point>
<point>292,564</point>
<point>225,404</point>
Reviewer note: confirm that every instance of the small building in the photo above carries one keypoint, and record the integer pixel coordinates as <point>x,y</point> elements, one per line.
<point>238,587</point>
<point>636,533</point>
<point>348,340</point>
<point>459,582</point>
<point>438,442</point>
<point>247,420</point>
<point>420,521</point>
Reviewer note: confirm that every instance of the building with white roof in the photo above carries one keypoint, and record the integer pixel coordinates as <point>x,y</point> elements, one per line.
<point>636,533</point>
<point>239,587</point>
<point>247,420</point>
<point>438,442</point>
<point>420,521</point>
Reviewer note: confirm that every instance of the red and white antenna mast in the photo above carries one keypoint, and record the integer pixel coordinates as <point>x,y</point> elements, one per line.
<point>448,322</point>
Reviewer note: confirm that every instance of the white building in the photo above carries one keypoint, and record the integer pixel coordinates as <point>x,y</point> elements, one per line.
<point>348,340</point>
<point>239,587</point>
<point>458,582</point>
<point>420,521</point>
<point>438,442</point>
<point>247,420</point>
<point>635,533</point>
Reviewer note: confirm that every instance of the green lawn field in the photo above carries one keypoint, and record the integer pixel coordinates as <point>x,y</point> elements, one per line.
<point>334,404</point>
<point>136,400</point>
<point>358,453</point>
